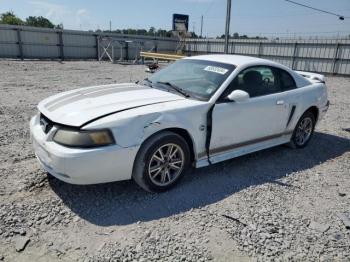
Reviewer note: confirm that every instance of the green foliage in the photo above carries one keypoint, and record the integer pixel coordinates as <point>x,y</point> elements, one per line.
<point>39,21</point>
<point>10,18</point>
<point>151,32</point>
<point>237,36</point>
<point>59,26</point>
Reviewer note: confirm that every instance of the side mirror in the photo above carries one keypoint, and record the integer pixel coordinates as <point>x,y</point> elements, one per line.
<point>238,96</point>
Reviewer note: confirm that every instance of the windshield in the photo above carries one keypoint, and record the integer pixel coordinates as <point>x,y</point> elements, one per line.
<point>197,78</point>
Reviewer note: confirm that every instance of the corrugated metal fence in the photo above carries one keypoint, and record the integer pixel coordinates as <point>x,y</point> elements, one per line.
<point>25,42</point>
<point>322,55</point>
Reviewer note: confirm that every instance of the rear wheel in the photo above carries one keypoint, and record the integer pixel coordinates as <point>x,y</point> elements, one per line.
<point>303,130</point>
<point>161,162</point>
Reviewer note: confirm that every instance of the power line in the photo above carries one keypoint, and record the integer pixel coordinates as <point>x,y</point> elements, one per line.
<point>316,9</point>
<point>210,5</point>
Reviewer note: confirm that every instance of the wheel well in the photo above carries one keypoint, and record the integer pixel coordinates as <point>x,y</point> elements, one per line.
<point>314,111</point>
<point>185,135</point>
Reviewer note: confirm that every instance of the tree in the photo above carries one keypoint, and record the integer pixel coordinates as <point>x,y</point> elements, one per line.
<point>194,35</point>
<point>141,31</point>
<point>151,31</point>
<point>59,26</point>
<point>10,18</point>
<point>39,21</point>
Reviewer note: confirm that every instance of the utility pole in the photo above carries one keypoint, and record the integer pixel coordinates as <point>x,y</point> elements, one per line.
<point>110,26</point>
<point>201,25</point>
<point>227,28</point>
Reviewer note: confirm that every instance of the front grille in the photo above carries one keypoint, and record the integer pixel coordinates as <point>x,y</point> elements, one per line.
<point>45,123</point>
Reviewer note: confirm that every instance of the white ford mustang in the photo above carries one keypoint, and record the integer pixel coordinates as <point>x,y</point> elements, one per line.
<point>197,111</point>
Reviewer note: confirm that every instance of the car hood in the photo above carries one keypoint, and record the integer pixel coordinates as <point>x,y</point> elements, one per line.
<point>84,105</point>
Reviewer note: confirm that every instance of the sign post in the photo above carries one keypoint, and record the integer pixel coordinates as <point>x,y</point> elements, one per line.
<point>227,28</point>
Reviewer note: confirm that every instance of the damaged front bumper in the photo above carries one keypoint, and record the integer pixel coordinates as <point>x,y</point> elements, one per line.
<point>79,165</point>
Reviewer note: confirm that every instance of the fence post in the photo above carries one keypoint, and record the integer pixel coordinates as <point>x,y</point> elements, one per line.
<point>294,54</point>
<point>259,49</point>
<point>20,44</point>
<point>60,39</point>
<point>97,48</point>
<point>335,59</point>
<point>126,51</point>
<point>208,47</point>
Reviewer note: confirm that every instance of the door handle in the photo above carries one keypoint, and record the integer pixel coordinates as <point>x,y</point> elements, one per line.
<point>279,102</point>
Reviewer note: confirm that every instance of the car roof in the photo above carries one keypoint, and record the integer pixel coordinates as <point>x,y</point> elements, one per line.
<point>236,60</point>
<point>241,61</point>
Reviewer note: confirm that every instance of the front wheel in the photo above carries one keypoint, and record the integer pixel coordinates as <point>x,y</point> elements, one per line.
<point>303,130</point>
<point>161,162</point>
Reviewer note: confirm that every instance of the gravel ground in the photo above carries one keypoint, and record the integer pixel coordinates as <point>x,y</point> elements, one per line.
<point>279,204</point>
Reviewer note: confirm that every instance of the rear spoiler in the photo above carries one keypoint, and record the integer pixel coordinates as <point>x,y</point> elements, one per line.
<point>313,77</point>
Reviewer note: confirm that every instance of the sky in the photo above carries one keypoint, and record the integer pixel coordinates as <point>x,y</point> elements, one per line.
<point>251,17</point>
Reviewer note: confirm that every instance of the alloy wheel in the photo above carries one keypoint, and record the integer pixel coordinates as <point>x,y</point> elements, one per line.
<point>304,131</point>
<point>166,164</point>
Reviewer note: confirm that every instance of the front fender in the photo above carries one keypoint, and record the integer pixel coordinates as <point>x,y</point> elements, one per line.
<point>138,129</point>
<point>134,130</point>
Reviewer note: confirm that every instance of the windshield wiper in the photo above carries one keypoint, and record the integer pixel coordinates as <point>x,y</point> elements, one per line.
<point>150,83</point>
<point>174,87</point>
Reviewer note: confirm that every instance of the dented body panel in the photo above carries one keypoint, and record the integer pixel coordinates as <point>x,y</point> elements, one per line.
<point>132,127</point>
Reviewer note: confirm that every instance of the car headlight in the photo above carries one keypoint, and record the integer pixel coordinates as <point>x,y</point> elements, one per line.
<point>80,138</point>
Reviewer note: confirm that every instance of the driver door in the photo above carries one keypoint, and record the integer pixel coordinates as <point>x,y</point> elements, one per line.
<point>260,118</point>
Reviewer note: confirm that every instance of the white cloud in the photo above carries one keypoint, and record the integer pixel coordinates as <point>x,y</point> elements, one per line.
<point>82,12</point>
<point>83,19</point>
<point>55,12</point>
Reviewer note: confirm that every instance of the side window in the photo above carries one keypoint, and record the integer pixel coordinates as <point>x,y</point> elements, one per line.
<point>286,81</point>
<point>258,81</point>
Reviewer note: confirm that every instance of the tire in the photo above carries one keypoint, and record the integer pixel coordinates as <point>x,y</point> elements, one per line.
<point>152,173</point>
<point>305,126</point>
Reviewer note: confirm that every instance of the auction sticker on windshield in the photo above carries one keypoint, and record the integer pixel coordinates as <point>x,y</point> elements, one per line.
<point>216,69</point>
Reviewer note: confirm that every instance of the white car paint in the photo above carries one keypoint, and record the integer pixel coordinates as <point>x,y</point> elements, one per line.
<point>135,112</point>
<point>77,107</point>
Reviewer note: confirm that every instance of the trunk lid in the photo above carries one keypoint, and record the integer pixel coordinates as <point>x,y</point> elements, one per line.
<point>312,77</point>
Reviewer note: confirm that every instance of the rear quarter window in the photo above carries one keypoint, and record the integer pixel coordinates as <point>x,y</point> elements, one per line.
<point>286,81</point>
